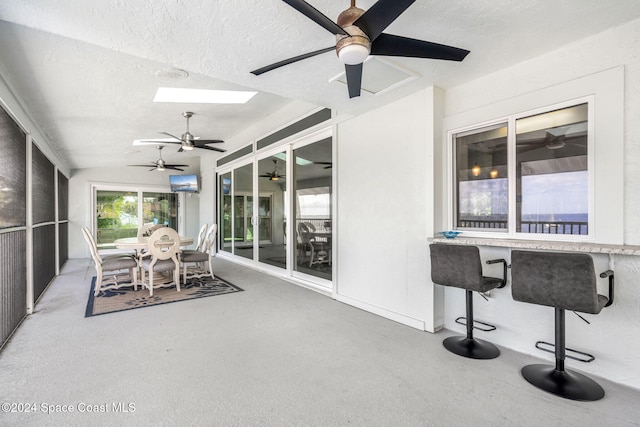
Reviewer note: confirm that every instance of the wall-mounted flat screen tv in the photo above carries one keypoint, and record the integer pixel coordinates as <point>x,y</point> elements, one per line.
<point>185,183</point>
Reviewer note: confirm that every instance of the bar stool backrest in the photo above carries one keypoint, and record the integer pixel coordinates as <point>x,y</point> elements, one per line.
<point>456,265</point>
<point>556,279</point>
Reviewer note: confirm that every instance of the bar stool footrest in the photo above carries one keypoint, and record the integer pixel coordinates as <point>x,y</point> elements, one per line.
<point>486,327</point>
<point>575,353</point>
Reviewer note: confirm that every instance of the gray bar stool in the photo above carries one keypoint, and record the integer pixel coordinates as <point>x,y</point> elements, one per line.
<point>459,266</point>
<point>565,281</point>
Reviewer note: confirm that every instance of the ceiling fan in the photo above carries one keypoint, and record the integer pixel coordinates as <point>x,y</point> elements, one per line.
<point>574,136</point>
<point>327,165</point>
<point>359,34</point>
<point>187,141</point>
<point>273,176</point>
<point>160,165</point>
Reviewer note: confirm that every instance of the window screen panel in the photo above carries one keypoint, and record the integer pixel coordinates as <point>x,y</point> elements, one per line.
<point>63,197</point>
<point>44,259</point>
<point>42,187</point>
<point>13,176</point>
<point>13,281</point>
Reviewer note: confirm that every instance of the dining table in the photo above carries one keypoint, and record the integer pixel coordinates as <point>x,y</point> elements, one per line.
<point>141,243</point>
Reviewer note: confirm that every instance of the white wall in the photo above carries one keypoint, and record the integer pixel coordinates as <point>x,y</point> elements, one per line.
<point>80,199</point>
<point>612,335</point>
<point>384,209</point>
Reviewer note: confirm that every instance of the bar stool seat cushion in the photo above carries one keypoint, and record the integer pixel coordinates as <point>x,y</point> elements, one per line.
<point>560,281</point>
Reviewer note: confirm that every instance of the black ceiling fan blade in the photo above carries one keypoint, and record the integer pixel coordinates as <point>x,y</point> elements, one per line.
<point>173,168</point>
<point>145,166</point>
<point>206,147</point>
<point>390,45</point>
<point>176,166</point>
<point>379,16</point>
<point>197,142</point>
<point>172,136</point>
<point>316,16</point>
<point>290,61</point>
<point>354,79</point>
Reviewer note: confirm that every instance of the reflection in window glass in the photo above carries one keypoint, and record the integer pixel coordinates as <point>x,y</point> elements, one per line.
<point>552,163</point>
<point>116,216</point>
<point>160,208</point>
<point>243,230</point>
<point>482,188</point>
<point>272,230</point>
<point>225,212</point>
<point>312,210</point>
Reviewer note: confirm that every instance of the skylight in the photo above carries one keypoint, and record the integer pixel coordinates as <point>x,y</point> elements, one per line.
<point>202,96</point>
<point>299,160</point>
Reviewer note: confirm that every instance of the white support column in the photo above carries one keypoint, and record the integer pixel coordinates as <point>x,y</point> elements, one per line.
<point>57,219</point>
<point>29,254</point>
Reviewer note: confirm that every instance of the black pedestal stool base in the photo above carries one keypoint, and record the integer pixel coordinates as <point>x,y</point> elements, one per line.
<point>567,384</point>
<point>471,348</point>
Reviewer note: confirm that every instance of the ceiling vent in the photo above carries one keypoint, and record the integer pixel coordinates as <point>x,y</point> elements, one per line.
<point>380,76</point>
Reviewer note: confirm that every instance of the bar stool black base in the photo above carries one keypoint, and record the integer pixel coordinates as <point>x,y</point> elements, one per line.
<point>472,348</point>
<point>567,384</point>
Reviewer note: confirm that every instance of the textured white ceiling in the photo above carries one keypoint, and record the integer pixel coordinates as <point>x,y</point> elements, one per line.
<point>86,69</point>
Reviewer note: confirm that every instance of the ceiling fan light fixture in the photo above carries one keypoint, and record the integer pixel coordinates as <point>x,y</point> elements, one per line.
<point>187,138</point>
<point>353,54</point>
<point>354,48</point>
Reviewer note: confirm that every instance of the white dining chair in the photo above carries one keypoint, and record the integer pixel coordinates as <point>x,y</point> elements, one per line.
<point>201,261</point>
<point>161,257</point>
<point>109,268</point>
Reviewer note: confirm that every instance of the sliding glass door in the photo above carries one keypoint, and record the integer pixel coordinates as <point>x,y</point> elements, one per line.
<point>119,212</point>
<point>271,213</point>
<point>236,211</point>
<point>312,191</point>
<point>116,216</point>
<point>276,210</point>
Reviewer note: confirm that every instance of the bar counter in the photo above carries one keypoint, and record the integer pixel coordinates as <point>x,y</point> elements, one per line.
<point>596,248</point>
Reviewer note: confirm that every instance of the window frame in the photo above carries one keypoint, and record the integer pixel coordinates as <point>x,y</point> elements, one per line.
<point>510,121</point>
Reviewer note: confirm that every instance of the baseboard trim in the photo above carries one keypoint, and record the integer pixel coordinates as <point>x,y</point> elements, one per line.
<point>382,312</point>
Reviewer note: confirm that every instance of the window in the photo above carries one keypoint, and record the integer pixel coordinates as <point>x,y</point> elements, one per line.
<point>482,187</point>
<point>119,212</point>
<point>528,174</point>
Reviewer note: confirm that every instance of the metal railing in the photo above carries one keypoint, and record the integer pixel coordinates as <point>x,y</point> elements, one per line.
<point>536,227</point>
<point>555,227</point>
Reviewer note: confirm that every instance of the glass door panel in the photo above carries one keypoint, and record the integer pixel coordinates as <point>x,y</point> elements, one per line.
<point>243,211</point>
<point>160,208</point>
<point>312,209</point>
<point>225,212</point>
<point>272,186</point>
<point>117,213</point>
<point>116,216</point>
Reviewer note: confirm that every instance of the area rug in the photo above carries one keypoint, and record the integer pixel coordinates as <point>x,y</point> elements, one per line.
<point>114,300</point>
